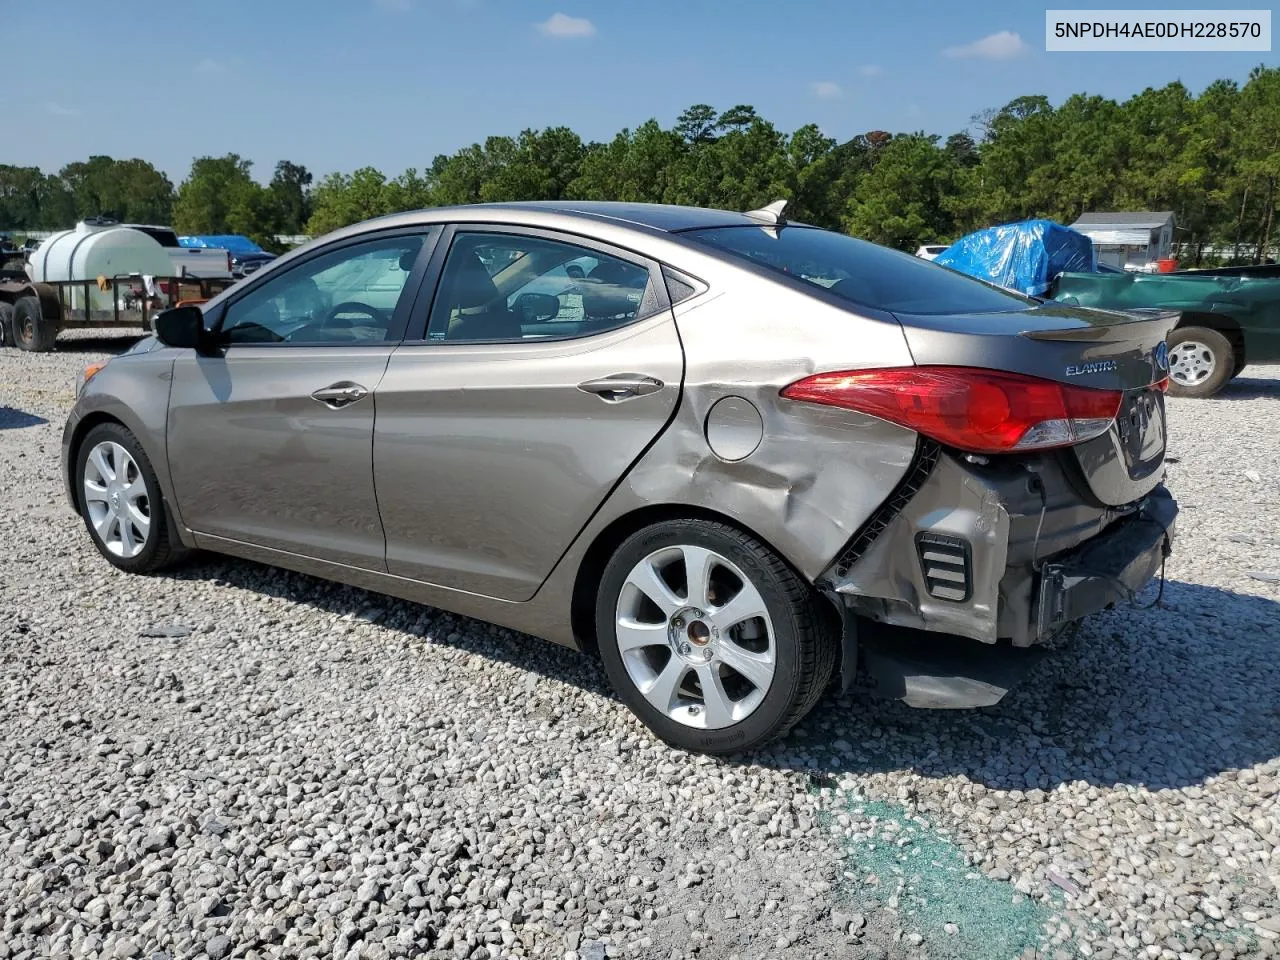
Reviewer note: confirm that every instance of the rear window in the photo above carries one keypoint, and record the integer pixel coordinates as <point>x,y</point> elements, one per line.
<point>861,272</point>
<point>166,238</point>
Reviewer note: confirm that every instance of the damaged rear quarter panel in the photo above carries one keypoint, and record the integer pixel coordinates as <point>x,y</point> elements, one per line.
<point>887,581</point>
<point>818,472</point>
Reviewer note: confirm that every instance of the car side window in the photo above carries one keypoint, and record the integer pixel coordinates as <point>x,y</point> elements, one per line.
<point>504,287</point>
<point>348,295</point>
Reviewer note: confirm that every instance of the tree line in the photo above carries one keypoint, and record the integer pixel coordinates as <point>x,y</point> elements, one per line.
<point>1213,159</point>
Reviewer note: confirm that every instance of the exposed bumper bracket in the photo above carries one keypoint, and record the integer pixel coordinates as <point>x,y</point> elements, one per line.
<point>1109,568</point>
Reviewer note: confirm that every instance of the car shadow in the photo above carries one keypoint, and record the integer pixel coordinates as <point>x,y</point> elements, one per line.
<point>1249,388</point>
<point>14,419</point>
<point>1165,697</point>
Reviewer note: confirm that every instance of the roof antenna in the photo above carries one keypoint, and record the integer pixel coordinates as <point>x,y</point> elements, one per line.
<point>772,214</point>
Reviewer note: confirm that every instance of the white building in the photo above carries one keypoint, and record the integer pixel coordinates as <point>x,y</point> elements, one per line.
<point>1129,241</point>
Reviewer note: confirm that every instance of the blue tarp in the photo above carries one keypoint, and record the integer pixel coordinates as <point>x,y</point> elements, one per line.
<point>226,241</point>
<point>1023,256</point>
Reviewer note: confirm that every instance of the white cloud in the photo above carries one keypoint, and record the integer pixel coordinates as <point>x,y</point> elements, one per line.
<point>870,70</point>
<point>58,110</point>
<point>826,90</point>
<point>208,66</point>
<point>393,6</point>
<point>1004,45</point>
<point>563,25</point>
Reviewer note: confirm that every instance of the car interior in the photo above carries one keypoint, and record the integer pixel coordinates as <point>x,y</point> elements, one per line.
<point>542,292</point>
<point>350,302</point>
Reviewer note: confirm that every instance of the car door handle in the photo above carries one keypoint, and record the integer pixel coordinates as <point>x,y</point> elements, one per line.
<point>340,394</point>
<point>621,386</point>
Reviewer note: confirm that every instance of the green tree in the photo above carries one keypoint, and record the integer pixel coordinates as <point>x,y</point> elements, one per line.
<point>1209,179</point>
<point>220,196</point>
<point>1259,157</point>
<point>1214,159</point>
<point>20,197</point>
<point>640,166</point>
<point>341,200</point>
<point>291,188</point>
<point>132,191</point>
<point>899,202</point>
<point>698,124</point>
<point>744,169</point>
<point>212,188</point>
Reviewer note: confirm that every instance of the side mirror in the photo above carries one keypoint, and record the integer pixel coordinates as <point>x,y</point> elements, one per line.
<point>180,327</point>
<point>536,307</point>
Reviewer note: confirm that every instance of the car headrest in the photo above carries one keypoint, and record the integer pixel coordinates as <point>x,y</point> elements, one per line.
<point>304,297</point>
<point>471,284</point>
<point>608,300</point>
<point>609,271</point>
<point>407,260</point>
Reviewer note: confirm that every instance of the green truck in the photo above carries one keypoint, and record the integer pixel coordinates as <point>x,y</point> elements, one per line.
<point>1230,317</point>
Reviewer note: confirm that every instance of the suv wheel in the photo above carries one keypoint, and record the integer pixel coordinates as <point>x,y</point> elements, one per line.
<point>710,638</point>
<point>1201,361</point>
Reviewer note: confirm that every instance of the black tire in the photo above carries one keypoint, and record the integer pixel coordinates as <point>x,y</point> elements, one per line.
<point>31,330</point>
<point>1216,363</point>
<point>6,324</point>
<point>804,644</point>
<point>162,547</point>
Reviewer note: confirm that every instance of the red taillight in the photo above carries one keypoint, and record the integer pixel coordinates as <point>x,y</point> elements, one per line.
<point>982,411</point>
<point>1162,385</point>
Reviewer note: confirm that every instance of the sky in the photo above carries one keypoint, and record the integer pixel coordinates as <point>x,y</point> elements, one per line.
<point>340,84</point>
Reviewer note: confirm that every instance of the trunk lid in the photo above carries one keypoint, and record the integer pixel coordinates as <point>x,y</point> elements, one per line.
<point>1085,348</point>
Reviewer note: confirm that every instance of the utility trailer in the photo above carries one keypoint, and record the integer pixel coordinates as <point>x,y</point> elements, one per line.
<point>32,314</point>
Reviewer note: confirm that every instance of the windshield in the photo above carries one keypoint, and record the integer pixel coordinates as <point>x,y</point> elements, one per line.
<point>862,272</point>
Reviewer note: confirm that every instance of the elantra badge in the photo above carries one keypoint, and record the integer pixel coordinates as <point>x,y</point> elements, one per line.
<point>1098,366</point>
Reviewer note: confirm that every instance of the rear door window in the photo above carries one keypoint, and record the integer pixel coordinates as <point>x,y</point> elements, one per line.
<point>498,287</point>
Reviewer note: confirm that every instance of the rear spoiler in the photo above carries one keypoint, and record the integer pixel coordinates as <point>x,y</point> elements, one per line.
<point>1145,324</point>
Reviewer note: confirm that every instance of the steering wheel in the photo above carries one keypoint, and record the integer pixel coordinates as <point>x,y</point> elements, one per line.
<point>354,306</point>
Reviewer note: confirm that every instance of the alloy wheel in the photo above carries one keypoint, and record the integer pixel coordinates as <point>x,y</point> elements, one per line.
<point>115,497</point>
<point>695,637</point>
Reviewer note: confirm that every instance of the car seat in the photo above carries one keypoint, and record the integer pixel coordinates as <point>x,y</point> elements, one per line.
<point>483,314</point>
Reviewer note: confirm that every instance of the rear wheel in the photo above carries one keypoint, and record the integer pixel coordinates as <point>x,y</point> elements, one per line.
<point>1201,361</point>
<point>6,323</point>
<point>31,330</point>
<point>710,638</point>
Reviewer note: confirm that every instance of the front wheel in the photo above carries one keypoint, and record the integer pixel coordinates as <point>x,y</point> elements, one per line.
<point>710,638</point>
<point>121,502</point>
<point>1201,362</point>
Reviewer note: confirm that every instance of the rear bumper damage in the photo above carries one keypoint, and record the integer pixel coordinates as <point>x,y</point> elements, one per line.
<point>950,587</point>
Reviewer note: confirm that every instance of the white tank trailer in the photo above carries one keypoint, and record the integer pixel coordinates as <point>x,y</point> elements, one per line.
<point>88,252</point>
<point>96,274</point>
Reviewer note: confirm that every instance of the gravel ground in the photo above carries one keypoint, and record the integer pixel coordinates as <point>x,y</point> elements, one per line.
<point>301,769</point>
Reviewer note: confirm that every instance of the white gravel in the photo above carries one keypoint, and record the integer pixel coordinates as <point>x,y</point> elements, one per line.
<point>301,769</point>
